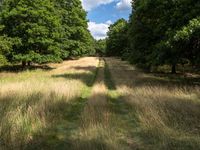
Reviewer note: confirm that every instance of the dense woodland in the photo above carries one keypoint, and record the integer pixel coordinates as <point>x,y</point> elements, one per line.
<point>43,31</point>
<point>158,33</point>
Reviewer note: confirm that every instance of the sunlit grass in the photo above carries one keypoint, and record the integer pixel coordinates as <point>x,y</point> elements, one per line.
<point>63,108</point>
<point>32,101</point>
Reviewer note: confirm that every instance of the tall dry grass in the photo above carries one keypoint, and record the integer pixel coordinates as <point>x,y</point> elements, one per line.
<point>100,128</point>
<point>125,109</point>
<point>94,130</point>
<point>164,113</point>
<point>32,101</point>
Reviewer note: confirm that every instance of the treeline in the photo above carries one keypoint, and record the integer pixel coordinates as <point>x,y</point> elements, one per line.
<point>43,31</point>
<point>158,32</point>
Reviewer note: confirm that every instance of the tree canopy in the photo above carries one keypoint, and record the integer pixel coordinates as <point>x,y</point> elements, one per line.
<point>117,39</point>
<point>161,32</point>
<point>44,30</point>
<point>100,46</point>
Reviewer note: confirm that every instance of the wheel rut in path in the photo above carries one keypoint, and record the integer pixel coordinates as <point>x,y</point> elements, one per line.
<point>100,127</point>
<point>94,132</point>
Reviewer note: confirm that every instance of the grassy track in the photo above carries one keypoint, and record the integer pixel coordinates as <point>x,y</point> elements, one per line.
<point>92,104</point>
<point>102,127</point>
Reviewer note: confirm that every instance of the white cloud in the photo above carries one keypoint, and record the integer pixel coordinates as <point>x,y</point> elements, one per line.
<point>109,22</point>
<point>99,30</point>
<point>90,4</point>
<point>123,4</point>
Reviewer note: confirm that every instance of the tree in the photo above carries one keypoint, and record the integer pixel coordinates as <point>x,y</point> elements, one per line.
<point>117,39</point>
<point>187,39</point>
<point>178,49</point>
<point>153,28</point>
<point>5,49</point>
<point>80,37</point>
<point>45,30</point>
<point>77,39</point>
<point>37,28</point>
<point>100,46</point>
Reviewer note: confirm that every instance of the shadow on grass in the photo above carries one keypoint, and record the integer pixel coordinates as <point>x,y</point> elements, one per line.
<point>108,78</point>
<point>181,116</point>
<point>86,68</point>
<point>63,121</point>
<point>167,81</point>
<point>64,134</point>
<point>133,77</point>
<point>179,78</point>
<point>86,78</point>
<point>130,76</point>
<point>58,134</point>
<point>19,68</point>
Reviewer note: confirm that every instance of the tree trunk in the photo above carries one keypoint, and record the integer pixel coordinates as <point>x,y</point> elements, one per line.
<point>23,64</point>
<point>149,68</point>
<point>173,68</point>
<point>29,63</point>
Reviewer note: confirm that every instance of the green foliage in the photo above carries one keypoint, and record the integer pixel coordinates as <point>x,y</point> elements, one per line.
<point>45,30</point>
<point>76,38</point>
<point>100,47</point>
<point>189,30</point>
<point>159,32</point>
<point>35,24</point>
<point>5,48</point>
<point>189,37</point>
<point>117,39</point>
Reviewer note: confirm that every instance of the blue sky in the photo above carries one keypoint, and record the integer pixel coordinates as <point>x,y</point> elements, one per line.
<point>102,13</point>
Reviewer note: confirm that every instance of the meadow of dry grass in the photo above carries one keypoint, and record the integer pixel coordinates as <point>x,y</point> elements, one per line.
<point>163,113</point>
<point>32,101</point>
<point>98,104</point>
